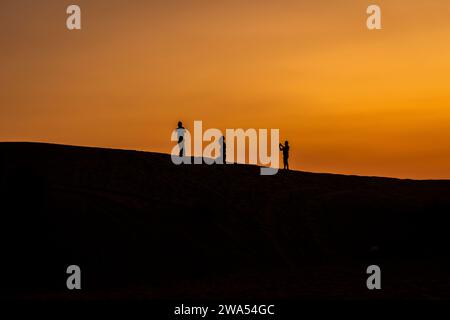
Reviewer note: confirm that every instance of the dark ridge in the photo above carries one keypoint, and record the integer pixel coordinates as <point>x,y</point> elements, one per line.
<point>133,219</point>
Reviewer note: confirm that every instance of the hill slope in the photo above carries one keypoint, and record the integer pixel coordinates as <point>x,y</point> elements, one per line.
<point>134,220</point>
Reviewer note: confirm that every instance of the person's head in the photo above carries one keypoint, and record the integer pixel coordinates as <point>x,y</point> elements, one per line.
<point>180,124</point>
<point>286,143</point>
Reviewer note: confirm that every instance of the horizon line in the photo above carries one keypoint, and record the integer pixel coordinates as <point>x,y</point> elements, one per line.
<point>237,163</point>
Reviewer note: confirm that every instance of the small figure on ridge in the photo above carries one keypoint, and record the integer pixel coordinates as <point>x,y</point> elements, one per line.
<point>180,132</point>
<point>285,149</point>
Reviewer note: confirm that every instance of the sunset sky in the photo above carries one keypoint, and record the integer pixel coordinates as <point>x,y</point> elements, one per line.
<point>349,100</point>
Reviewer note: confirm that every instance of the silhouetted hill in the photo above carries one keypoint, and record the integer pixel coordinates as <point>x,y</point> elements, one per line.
<point>141,227</point>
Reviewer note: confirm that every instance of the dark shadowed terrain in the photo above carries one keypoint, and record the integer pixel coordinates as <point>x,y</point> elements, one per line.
<point>142,228</point>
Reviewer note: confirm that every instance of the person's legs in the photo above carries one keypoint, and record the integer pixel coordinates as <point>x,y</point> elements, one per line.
<point>181,146</point>
<point>285,163</point>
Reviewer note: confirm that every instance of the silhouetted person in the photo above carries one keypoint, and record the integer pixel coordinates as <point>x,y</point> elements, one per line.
<point>285,149</point>
<point>180,132</point>
<point>223,150</point>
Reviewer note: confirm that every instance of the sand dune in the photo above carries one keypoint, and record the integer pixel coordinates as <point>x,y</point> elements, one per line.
<point>140,226</point>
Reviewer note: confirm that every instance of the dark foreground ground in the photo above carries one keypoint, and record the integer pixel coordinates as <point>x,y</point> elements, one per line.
<point>142,228</point>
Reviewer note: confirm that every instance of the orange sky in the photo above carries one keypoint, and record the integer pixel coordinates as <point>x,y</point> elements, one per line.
<point>348,99</point>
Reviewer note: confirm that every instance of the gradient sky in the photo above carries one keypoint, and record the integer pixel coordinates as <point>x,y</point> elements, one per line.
<point>349,100</point>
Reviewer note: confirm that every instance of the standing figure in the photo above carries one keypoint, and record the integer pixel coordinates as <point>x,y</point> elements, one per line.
<point>223,151</point>
<point>285,149</point>
<point>180,132</point>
